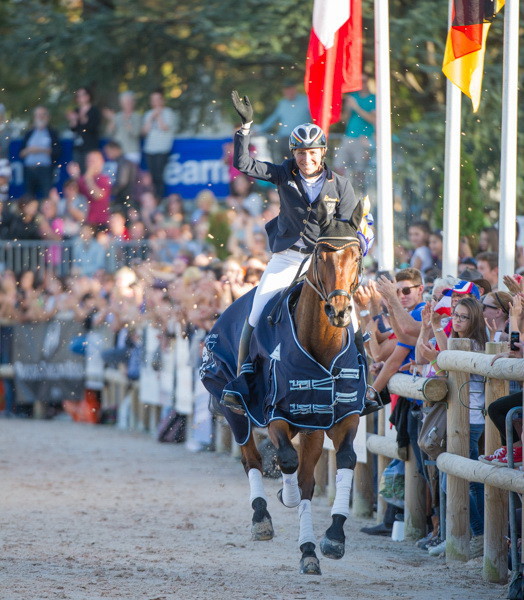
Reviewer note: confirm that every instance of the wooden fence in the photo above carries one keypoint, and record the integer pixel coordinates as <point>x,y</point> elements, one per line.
<point>460,469</point>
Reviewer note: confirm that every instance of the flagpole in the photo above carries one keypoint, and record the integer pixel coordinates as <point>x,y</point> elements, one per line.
<point>385,233</point>
<point>451,217</point>
<point>508,159</point>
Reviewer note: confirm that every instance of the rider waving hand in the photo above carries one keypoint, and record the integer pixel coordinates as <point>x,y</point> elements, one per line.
<point>303,182</point>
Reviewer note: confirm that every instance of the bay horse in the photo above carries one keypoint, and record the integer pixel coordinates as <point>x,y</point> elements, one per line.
<point>321,317</point>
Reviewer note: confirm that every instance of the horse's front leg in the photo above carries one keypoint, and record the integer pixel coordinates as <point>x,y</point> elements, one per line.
<point>310,450</point>
<point>281,434</point>
<point>262,526</point>
<point>342,434</point>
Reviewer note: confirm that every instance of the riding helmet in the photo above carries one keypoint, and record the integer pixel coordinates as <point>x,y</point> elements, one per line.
<point>307,135</point>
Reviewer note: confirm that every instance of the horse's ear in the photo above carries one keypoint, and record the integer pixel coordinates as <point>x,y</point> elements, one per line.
<point>323,217</point>
<point>357,215</point>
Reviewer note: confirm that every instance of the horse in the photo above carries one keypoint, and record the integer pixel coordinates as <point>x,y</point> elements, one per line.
<point>322,316</point>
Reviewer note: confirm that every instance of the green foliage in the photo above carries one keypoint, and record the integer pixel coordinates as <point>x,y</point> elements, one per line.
<point>200,50</point>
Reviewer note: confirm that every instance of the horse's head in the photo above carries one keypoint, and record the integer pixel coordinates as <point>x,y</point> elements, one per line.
<point>336,269</point>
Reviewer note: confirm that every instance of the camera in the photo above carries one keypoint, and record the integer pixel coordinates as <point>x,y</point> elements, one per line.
<point>513,339</point>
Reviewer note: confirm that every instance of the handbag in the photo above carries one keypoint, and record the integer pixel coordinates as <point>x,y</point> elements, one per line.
<point>391,486</point>
<point>432,436</point>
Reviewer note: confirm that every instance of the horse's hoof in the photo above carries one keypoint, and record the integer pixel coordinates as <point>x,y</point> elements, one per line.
<point>332,549</point>
<point>231,402</point>
<point>310,565</point>
<point>279,496</point>
<point>262,531</point>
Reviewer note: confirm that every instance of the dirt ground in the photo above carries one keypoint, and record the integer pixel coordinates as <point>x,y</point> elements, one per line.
<point>91,513</point>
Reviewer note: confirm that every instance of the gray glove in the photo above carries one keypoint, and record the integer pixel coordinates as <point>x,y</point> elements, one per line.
<point>243,107</point>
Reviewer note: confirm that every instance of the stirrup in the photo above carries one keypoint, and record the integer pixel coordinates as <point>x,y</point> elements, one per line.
<point>371,406</point>
<point>231,402</point>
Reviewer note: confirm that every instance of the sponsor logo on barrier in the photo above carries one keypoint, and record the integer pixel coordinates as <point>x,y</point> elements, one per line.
<point>195,172</point>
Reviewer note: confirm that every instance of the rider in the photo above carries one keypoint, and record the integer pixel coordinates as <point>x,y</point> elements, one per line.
<point>303,182</point>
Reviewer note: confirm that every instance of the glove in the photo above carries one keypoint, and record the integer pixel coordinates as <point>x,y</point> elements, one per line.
<point>243,107</point>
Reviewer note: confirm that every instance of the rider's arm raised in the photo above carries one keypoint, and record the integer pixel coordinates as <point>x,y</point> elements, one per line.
<point>244,162</point>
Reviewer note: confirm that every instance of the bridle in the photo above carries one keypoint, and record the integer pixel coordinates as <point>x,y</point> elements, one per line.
<point>317,284</point>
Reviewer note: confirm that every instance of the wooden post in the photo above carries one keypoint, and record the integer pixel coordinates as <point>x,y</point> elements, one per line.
<point>39,410</point>
<point>363,489</point>
<point>382,463</point>
<point>414,500</point>
<point>495,567</point>
<point>457,502</point>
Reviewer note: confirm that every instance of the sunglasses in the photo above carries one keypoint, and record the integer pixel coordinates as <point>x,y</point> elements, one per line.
<point>460,318</point>
<point>406,291</point>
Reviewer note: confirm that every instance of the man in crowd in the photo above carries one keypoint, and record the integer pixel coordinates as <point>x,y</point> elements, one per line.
<point>488,267</point>
<point>40,152</point>
<point>159,128</point>
<point>403,299</point>
<point>88,254</point>
<point>95,186</point>
<point>291,111</point>
<point>124,177</point>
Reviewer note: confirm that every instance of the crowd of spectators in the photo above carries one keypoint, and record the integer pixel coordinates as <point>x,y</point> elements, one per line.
<point>407,319</point>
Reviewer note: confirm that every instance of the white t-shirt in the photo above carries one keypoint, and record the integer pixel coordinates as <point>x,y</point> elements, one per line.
<point>424,254</point>
<point>160,141</point>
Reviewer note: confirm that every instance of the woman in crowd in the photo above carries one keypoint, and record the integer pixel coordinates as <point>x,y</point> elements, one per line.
<point>496,307</point>
<point>467,322</point>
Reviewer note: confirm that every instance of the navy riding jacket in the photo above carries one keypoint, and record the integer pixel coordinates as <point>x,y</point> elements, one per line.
<point>297,218</point>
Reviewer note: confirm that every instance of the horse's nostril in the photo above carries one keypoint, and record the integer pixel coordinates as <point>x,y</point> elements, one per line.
<point>329,310</point>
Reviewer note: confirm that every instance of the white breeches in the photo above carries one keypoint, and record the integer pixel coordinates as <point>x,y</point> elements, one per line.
<point>278,276</point>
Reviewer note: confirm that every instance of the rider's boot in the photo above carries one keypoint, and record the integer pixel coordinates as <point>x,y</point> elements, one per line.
<point>230,400</point>
<point>371,406</point>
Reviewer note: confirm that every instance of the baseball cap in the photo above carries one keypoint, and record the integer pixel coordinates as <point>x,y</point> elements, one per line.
<point>476,277</point>
<point>463,287</point>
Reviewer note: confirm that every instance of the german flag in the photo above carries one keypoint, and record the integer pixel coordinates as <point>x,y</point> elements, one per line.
<point>466,44</point>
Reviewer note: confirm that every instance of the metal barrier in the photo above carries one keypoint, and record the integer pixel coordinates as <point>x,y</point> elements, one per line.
<point>58,257</point>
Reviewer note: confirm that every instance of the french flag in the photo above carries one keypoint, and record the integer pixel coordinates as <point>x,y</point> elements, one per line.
<point>334,58</point>
<point>443,306</point>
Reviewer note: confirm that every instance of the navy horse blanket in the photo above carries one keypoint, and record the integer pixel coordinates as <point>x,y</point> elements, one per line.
<point>279,380</point>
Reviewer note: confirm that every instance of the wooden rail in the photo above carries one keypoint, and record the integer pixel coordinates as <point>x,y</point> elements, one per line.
<point>460,363</point>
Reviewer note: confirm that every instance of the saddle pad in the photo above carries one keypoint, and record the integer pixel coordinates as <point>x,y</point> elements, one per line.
<point>280,380</point>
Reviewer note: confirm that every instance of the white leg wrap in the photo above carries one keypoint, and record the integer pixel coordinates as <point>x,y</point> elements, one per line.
<point>256,485</point>
<point>290,491</point>
<point>306,533</point>
<point>341,503</point>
